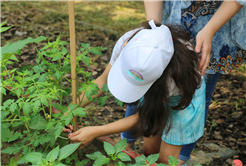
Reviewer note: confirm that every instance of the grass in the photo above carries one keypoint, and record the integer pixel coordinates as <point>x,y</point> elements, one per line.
<point>120,16</point>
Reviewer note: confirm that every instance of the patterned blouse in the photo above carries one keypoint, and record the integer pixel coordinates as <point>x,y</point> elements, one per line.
<point>229,43</point>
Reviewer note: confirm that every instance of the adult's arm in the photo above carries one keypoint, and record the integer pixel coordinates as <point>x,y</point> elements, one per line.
<point>205,37</point>
<point>87,134</point>
<point>153,10</point>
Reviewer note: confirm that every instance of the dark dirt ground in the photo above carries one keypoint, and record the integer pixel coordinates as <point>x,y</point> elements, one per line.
<point>226,125</point>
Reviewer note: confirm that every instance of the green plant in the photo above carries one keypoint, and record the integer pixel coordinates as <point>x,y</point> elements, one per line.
<point>3,29</point>
<point>53,158</point>
<point>213,124</point>
<point>116,156</point>
<point>8,53</point>
<point>114,153</point>
<point>38,89</point>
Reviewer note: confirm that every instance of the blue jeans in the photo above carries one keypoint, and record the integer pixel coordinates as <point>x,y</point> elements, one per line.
<point>211,81</point>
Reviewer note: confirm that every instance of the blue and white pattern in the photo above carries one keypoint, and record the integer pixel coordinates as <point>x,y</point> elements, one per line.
<point>229,43</point>
<point>188,124</point>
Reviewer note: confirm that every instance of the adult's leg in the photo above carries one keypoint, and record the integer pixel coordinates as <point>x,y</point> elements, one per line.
<point>211,81</point>
<point>130,110</point>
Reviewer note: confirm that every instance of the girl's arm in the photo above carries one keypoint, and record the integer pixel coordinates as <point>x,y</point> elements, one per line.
<point>87,134</point>
<point>205,37</point>
<point>153,10</point>
<point>100,81</point>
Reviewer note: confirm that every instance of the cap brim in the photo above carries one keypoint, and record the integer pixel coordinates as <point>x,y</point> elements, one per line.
<point>121,88</point>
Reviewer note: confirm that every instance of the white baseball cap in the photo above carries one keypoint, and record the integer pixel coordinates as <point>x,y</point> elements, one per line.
<point>141,63</point>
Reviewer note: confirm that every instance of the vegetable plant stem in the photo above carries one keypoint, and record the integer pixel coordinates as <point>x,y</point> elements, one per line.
<point>13,119</point>
<point>61,92</point>
<point>1,85</point>
<point>10,117</point>
<point>50,111</point>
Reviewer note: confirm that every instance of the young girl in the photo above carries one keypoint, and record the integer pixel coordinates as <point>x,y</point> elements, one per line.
<point>217,28</point>
<point>157,72</point>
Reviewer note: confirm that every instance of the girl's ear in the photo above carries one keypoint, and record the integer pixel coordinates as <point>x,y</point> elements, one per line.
<point>125,43</point>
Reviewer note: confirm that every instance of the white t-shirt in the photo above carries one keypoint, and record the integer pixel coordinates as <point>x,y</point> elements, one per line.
<point>174,91</point>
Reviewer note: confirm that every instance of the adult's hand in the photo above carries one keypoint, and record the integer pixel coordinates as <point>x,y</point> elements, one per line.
<point>204,40</point>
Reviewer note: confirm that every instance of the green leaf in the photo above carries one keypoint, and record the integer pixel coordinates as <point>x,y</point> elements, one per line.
<point>15,47</point>
<point>67,150</point>
<point>173,161</point>
<point>17,124</point>
<point>120,163</point>
<point>55,58</point>
<point>118,102</point>
<point>59,75</point>
<point>4,29</point>
<point>38,69</point>
<point>12,162</point>
<point>60,164</point>
<point>10,150</point>
<point>3,90</point>
<point>38,123</point>
<point>129,164</point>
<point>105,88</point>
<point>152,158</point>
<point>120,146</point>
<point>33,157</point>
<point>58,128</point>
<point>4,114</point>
<point>7,103</point>
<point>102,100</point>
<point>68,119</point>
<point>22,161</point>
<point>198,164</point>
<point>57,106</point>
<point>27,109</point>
<point>13,107</point>
<point>44,101</point>
<point>3,23</point>
<point>82,163</point>
<point>36,106</point>
<point>109,149</point>
<point>52,155</point>
<point>92,90</point>
<point>15,137</point>
<point>18,92</point>
<point>123,157</point>
<point>80,112</point>
<point>95,50</point>
<point>140,159</point>
<point>101,161</point>
<point>5,134</point>
<point>94,156</point>
<point>49,125</point>
<point>85,59</point>
<point>43,77</point>
<point>85,45</point>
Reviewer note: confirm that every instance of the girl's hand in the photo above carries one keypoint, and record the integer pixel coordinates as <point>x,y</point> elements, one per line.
<point>68,128</point>
<point>84,135</point>
<point>204,40</point>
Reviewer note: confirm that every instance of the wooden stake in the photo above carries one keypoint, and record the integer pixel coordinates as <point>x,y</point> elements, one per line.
<point>73,57</point>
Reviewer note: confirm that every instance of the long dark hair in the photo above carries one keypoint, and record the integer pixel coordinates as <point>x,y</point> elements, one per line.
<point>154,110</point>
